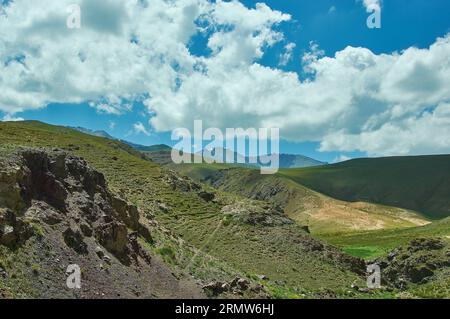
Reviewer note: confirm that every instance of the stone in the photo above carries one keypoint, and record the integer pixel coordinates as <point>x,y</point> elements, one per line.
<point>13,230</point>
<point>419,273</point>
<point>163,207</point>
<point>145,232</point>
<point>206,196</point>
<point>41,211</point>
<point>99,251</point>
<point>128,214</point>
<point>425,244</point>
<point>107,259</point>
<point>391,256</point>
<point>252,213</point>
<point>7,235</point>
<point>3,273</point>
<point>225,286</point>
<point>364,290</point>
<point>86,229</point>
<point>215,287</point>
<point>113,236</point>
<point>306,229</point>
<point>74,239</point>
<point>243,284</point>
<point>258,288</point>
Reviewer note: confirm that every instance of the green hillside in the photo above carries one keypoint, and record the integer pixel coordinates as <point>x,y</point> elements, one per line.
<point>370,244</point>
<point>322,214</point>
<point>419,183</point>
<point>196,236</point>
<point>151,148</point>
<point>235,229</point>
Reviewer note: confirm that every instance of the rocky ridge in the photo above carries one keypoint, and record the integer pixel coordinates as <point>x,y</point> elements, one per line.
<point>56,208</point>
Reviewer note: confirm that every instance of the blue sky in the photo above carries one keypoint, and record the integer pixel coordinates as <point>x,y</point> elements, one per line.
<point>332,25</point>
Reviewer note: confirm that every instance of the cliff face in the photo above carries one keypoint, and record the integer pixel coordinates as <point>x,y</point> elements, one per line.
<point>56,211</point>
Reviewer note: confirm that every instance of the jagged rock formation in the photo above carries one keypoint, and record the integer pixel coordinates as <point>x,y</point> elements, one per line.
<point>57,210</point>
<point>235,288</point>
<point>418,262</point>
<point>180,183</point>
<point>52,187</point>
<point>247,212</point>
<point>185,184</point>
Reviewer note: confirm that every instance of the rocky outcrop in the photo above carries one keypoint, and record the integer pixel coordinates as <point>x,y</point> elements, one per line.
<point>13,231</point>
<point>74,239</point>
<point>185,184</point>
<point>56,211</point>
<point>237,287</point>
<point>206,196</point>
<point>53,187</point>
<point>254,213</point>
<point>416,263</point>
<point>181,183</point>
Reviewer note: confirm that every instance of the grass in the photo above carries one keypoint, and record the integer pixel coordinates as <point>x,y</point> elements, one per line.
<point>276,252</point>
<point>321,213</point>
<point>438,289</point>
<point>168,254</point>
<point>419,183</point>
<point>369,245</point>
<point>363,252</point>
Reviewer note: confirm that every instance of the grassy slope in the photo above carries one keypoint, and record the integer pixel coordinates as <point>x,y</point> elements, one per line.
<point>376,243</point>
<point>321,213</point>
<point>275,252</point>
<point>420,183</point>
<point>364,244</point>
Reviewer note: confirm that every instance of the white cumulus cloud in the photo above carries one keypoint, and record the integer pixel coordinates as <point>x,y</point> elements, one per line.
<point>372,4</point>
<point>138,50</point>
<point>10,118</point>
<point>286,57</point>
<point>139,128</point>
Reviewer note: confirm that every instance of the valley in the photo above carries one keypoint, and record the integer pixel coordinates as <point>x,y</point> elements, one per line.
<point>321,213</point>
<point>215,230</point>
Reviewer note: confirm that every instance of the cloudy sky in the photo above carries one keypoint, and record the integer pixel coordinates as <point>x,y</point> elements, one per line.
<point>141,68</point>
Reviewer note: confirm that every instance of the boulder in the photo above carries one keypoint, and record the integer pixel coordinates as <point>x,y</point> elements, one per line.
<point>7,235</point>
<point>306,229</point>
<point>206,196</point>
<point>243,284</point>
<point>86,229</point>
<point>418,273</point>
<point>52,187</point>
<point>215,288</point>
<point>42,211</point>
<point>3,273</point>
<point>99,251</point>
<point>10,190</point>
<point>13,230</point>
<point>415,263</point>
<point>74,239</point>
<point>425,244</point>
<point>113,236</point>
<point>238,286</point>
<point>127,213</point>
<point>253,213</point>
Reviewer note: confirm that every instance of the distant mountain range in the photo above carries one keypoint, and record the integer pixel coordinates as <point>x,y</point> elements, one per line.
<point>152,148</point>
<point>161,153</point>
<point>285,160</point>
<point>92,132</point>
<point>296,161</point>
<point>104,203</point>
<point>139,147</point>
